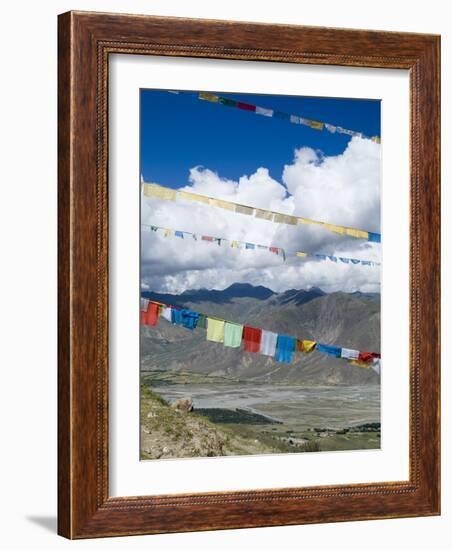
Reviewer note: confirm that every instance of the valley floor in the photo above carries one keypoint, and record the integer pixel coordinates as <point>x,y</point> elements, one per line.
<point>221,431</point>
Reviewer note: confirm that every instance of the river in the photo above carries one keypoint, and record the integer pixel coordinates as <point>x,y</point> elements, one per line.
<point>298,407</point>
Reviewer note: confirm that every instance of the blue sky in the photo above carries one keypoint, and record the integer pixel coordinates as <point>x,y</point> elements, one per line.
<point>240,156</point>
<point>179,131</point>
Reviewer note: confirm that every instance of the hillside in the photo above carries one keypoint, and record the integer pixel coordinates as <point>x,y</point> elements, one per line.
<point>348,320</point>
<point>168,433</point>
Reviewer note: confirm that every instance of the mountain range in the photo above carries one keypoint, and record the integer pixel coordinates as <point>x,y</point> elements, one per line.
<point>349,320</point>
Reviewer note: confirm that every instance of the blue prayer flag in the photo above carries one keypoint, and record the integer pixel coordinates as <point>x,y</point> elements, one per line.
<point>285,347</point>
<point>334,351</point>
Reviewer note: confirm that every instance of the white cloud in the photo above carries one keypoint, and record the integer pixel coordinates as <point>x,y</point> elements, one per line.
<point>343,189</point>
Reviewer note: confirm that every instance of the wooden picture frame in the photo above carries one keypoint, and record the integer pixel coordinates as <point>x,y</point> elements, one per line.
<point>86,40</point>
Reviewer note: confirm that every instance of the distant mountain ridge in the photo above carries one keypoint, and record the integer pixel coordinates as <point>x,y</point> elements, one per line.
<point>347,319</point>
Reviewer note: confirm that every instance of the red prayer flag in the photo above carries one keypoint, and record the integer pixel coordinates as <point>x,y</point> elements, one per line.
<point>246,106</point>
<point>274,249</point>
<point>151,316</point>
<point>365,356</point>
<point>252,338</point>
<point>207,238</point>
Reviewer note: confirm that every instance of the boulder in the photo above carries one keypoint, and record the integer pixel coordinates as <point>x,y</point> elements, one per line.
<point>185,404</point>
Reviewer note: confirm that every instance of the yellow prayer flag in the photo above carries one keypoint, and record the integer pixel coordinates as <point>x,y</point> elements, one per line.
<point>284,218</point>
<point>357,233</point>
<point>263,214</point>
<point>376,139</point>
<point>235,244</point>
<point>167,232</point>
<point>315,124</point>
<point>158,191</point>
<point>308,221</point>
<point>244,209</point>
<point>301,254</point>
<point>209,97</point>
<point>215,330</point>
<point>334,228</point>
<point>222,204</point>
<point>361,364</point>
<point>187,196</point>
<point>307,346</point>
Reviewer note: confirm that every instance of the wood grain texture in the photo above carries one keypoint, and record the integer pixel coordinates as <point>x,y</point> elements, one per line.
<point>85,42</point>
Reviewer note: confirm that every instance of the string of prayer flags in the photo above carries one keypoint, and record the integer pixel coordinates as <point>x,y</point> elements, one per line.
<point>160,192</point>
<point>253,246</point>
<point>294,119</point>
<point>255,340</point>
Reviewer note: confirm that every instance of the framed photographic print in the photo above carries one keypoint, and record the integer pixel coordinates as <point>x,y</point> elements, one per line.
<point>248,275</point>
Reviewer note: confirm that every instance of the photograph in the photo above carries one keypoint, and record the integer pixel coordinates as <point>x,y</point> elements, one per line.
<point>260,259</point>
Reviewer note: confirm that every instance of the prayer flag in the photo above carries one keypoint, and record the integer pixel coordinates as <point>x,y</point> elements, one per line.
<point>376,365</point>
<point>315,124</point>
<point>166,313</point>
<point>184,317</point>
<point>208,97</point>
<point>295,119</point>
<point>263,214</point>
<point>365,356</point>
<point>227,102</point>
<point>284,218</point>
<point>334,351</point>
<point>222,204</point>
<point>306,346</point>
<point>202,321</point>
<point>285,346</point>
<point>301,254</point>
<point>268,343</point>
<point>264,112</point>
<point>215,330</point>
<point>151,316</point>
<point>232,335</point>
<point>239,208</point>
<point>345,260</point>
<point>252,338</point>
<point>330,128</point>
<point>349,353</point>
<point>357,233</point>
<point>179,234</point>
<point>281,115</point>
<point>187,196</point>
<point>246,106</point>
<point>159,192</point>
<point>374,237</point>
<point>250,246</point>
<point>334,228</point>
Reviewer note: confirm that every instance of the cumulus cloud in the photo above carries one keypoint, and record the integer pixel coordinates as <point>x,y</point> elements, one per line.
<point>342,189</point>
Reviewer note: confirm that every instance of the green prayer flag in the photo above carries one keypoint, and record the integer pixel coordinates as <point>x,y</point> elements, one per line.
<point>233,335</point>
<point>228,102</point>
